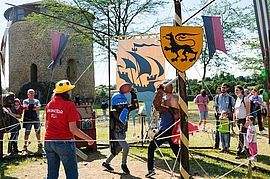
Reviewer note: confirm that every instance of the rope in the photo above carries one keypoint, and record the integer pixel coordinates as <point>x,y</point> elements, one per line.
<point>233,169</point>
<point>199,165</point>
<point>83,72</point>
<point>163,157</point>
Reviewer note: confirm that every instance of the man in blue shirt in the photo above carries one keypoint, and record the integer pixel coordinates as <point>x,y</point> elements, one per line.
<point>224,102</point>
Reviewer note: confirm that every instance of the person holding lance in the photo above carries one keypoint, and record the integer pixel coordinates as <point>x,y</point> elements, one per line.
<point>168,107</point>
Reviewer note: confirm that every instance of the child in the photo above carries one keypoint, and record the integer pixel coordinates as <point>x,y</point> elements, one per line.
<point>251,137</point>
<point>224,131</point>
<point>18,106</point>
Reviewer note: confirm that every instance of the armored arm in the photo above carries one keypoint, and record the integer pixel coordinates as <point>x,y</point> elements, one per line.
<point>157,102</point>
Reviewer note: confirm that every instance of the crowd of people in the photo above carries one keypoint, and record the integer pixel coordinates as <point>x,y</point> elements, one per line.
<point>245,109</point>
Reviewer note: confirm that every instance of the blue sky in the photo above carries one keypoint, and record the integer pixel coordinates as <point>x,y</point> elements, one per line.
<point>101,76</point>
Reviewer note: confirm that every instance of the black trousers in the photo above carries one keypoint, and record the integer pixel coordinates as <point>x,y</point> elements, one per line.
<point>259,119</point>
<point>154,143</point>
<point>217,133</point>
<point>241,135</point>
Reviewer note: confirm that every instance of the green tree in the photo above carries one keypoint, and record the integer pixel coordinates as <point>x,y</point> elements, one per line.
<point>118,15</point>
<point>236,26</point>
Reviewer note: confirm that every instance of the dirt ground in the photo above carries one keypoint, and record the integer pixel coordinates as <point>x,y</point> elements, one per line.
<point>91,168</point>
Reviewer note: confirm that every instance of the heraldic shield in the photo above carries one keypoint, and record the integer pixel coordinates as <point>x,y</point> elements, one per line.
<point>181,45</point>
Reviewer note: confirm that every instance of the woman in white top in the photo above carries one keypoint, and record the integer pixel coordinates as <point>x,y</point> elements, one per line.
<point>242,110</point>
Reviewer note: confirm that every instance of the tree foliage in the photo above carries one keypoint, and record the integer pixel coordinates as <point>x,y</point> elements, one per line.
<point>121,16</point>
<point>236,25</point>
<point>210,84</point>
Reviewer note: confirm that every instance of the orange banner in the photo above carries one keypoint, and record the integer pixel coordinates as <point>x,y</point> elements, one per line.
<point>140,62</point>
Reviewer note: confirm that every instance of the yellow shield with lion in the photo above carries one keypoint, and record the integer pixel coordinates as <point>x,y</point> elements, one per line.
<point>181,45</point>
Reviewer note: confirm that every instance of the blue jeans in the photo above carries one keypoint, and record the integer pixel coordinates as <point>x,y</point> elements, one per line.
<point>225,140</point>
<point>65,152</point>
<point>204,115</point>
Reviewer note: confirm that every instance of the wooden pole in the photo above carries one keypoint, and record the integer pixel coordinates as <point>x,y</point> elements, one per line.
<point>184,165</point>
<point>249,170</point>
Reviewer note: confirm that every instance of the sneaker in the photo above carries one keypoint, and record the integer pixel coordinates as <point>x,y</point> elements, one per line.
<point>125,169</point>
<point>150,173</point>
<point>223,150</point>
<point>107,166</point>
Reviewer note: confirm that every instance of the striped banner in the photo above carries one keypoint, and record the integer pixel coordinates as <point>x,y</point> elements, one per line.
<point>262,19</point>
<point>59,42</point>
<point>214,34</point>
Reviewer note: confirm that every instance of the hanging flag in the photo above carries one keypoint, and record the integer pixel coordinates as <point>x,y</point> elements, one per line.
<point>262,19</point>
<point>214,34</point>
<point>3,50</point>
<point>59,42</point>
<point>141,63</point>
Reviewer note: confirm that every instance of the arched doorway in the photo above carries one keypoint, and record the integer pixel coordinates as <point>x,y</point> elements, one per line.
<point>71,70</point>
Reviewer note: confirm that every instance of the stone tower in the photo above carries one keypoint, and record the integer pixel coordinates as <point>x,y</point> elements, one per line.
<point>29,58</point>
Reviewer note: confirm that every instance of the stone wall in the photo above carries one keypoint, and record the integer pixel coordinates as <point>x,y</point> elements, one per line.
<point>25,50</point>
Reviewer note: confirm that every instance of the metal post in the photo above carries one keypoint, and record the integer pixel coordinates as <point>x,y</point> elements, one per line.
<point>184,166</point>
<point>268,86</point>
<point>1,121</point>
<point>109,57</point>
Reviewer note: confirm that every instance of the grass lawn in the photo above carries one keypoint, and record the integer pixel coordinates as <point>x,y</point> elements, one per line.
<point>211,167</point>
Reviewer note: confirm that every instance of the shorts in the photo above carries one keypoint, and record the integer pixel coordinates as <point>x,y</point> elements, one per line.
<point>204,115</point>
<point>28,127</point>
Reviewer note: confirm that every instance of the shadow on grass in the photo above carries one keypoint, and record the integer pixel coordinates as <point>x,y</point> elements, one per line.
<point>211,167</point>
<point>264,159</point>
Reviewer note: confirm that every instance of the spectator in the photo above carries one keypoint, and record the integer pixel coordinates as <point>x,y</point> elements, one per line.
<point>10,114</point>
<point>223,102</point>
<point>251,137</point>
<point>256,102</point>
<point>224,131</point>
<point>104,106</point>
<point>77,100</point>
<point>202,101</point>
<point>31,117</point>
<point>242,110</point>
<point>59,145</point>
<point>18,106</point>
<point>168,108</point>
<point>263,108</point>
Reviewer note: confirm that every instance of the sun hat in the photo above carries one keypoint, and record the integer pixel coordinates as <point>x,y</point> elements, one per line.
<point>63,86</point>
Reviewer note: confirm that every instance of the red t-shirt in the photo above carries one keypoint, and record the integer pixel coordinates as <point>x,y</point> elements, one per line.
<point>59,113</point>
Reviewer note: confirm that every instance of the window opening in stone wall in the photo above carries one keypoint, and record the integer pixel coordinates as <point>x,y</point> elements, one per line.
<point>33,73</point>
<point>71,70</point>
